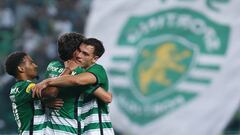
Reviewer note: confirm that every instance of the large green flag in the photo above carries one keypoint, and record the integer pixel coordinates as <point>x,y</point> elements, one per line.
<point>173,64</point>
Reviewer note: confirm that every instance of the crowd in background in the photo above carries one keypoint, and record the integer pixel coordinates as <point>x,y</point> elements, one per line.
<point>33,26</point>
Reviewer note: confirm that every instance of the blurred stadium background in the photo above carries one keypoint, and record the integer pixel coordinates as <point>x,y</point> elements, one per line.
<point>34,25</point>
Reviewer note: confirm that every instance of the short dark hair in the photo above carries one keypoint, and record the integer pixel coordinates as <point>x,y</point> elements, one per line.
<point>13,61</point>
<point>68,43</point>
<point>97,44</point>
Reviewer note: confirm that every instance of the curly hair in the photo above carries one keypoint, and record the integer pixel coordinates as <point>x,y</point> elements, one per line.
<point>12,62</point>
<point>68,43</point>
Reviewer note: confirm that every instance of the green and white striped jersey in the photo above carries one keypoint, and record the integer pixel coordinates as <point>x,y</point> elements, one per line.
<point>28,113</point>
<point>64,121</point>
<point>92,108</point>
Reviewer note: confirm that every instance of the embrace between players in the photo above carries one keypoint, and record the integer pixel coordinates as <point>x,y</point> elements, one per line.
<point>74,98</point>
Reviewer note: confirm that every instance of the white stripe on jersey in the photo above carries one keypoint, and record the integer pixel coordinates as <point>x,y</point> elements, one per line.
<point>94,119</point>
<point>49,131</point>
<point>88,106</point>
<point>39,132</point>
<point>63,121</point>
<point>40,119</point>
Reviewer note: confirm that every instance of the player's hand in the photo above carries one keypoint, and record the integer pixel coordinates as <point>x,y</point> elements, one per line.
<point>37,89</point>
<point>70,64</point>
<point>56,103</point>
<point>110,97</point>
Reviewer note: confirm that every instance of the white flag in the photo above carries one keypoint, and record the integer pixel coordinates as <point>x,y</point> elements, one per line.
<point>174,65</point>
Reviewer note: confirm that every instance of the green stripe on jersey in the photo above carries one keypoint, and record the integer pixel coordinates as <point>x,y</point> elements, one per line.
<point>93,126</point>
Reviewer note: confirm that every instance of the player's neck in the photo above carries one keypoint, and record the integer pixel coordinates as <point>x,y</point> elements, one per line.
<point>90,66</point>
<point>24,77</point>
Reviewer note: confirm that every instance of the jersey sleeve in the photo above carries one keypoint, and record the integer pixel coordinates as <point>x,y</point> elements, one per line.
<point>100,74</point>
<point>102,81</point>
<point>91,89</point>
<point>25,92</point>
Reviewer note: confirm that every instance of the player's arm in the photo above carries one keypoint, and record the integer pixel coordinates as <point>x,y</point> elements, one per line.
<point>68,80</point>
<point>103,95</point>
<point>82,79</point>
<point>52,92</point>
<point>76,80</point>
<point>55,103</point>
<point>49,95</point>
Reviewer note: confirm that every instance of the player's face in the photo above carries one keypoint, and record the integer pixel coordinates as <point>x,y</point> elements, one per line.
<point>29,67</point>
<point>75,57</point>
<point>85,55</point>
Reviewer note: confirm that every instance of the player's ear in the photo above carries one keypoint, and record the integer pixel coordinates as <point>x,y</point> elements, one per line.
<point>95,58</point>
<point>20,69</point>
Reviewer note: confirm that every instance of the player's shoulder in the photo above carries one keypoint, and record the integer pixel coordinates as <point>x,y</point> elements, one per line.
<point>78,70</point>
<point>55,64</point>
<point>96,68</point>
<point>22,84</point>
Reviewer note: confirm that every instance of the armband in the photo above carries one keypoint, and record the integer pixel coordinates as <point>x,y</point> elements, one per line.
<point>29,88</point>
